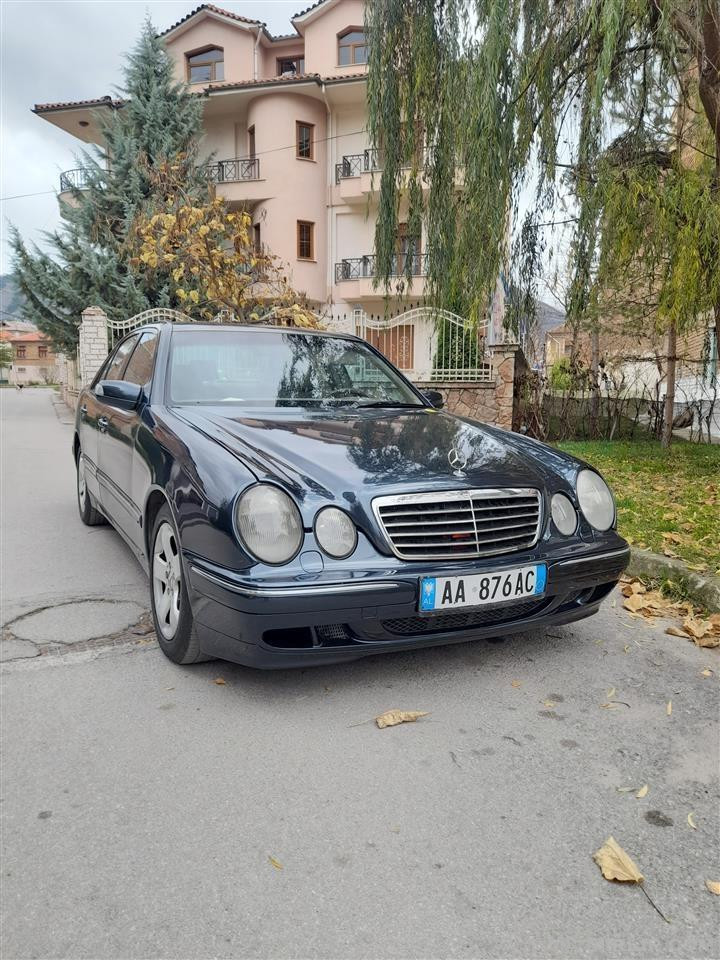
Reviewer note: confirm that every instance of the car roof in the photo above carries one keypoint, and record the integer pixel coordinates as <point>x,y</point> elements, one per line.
<point>253,328</point>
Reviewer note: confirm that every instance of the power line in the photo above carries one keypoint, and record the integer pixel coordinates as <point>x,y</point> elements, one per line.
<point>259,153</point>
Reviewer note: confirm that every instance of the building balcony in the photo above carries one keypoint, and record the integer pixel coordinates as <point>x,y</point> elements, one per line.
<point>355,276</point>
<point>354,175</point>
<point>232,171</point>
<point>238,180</point>
<point>72,180</point>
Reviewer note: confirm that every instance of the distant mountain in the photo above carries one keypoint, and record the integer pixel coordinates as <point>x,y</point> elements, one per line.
<point>11,300</point>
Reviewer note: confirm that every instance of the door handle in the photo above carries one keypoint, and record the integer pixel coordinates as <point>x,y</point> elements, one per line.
<point>103,424</point>
<point>83,410</point>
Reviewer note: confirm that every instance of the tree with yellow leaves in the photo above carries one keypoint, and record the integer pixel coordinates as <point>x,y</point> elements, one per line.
<point>207,252</point>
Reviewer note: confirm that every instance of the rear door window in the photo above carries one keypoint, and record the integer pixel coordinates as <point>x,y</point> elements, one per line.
<point>117,364</point>
<point>140,366</point>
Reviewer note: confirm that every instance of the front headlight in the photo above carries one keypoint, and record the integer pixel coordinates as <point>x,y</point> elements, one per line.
<point>595,500</point>
<point>563,514</point>
<point>269,524</point>
<point>335,532</point>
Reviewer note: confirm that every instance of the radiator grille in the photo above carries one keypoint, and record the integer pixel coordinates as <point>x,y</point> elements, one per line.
<point>460,524</point>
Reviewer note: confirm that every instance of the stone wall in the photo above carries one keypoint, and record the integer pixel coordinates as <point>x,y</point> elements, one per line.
<point>493,402</point>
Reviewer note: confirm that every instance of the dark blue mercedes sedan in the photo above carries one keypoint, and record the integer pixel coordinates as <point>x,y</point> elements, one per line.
<point>296,500</point>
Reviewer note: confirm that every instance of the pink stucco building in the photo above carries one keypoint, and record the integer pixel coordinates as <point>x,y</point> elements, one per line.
<point>285,122</point>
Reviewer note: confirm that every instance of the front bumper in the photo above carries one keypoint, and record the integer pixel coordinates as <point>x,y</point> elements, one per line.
<point>321,620</point>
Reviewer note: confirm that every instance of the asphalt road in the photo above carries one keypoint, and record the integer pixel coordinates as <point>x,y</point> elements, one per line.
<point>142,802</point>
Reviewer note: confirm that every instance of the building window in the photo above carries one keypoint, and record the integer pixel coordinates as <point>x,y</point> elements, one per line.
<point>257,243</point>
<point>292,66</point>
<point>42,352</point>
<point>206,66</point>
<point>304,140</point>
<point>305,240</point>
<point>251,141</point>
<point>352,47</point>
<point>21,352</point>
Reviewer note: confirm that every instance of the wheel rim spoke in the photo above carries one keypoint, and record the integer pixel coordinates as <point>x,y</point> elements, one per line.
<point>166,579</point>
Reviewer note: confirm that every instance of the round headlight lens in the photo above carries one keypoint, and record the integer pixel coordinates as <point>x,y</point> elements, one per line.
<point>563,514</point>
<point>269,523</point>
<point>595,499</point>
<point>335,532</point>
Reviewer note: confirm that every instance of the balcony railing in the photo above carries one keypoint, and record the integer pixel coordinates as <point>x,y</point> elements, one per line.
<point>356,163</point>
<point>229,171</point>
<point>72,180</point>
<point>356,268</point>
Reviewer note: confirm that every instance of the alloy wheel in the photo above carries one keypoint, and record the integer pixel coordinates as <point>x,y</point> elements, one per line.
<point>167,580</point>
<point>81,482</point>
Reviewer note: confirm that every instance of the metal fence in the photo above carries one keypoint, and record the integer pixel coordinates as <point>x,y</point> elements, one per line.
<point>356,268</point>
<point>428,345</point>
<point>117,329</point>
<point>72,180</point>
<point>229,171</point>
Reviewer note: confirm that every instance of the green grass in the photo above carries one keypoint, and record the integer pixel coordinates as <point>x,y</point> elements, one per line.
<point>676,492</point>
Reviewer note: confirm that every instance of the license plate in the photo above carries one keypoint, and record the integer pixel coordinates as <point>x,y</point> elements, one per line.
<point>482,589</point>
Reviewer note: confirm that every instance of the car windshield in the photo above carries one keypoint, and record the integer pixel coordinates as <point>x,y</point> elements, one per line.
<point>289,369</point>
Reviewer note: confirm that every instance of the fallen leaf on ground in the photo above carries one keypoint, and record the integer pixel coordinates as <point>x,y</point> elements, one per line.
<point>677,632</point>
<point>392,717</point>
<point>672,537</point>
<point>627,648</point>
<point>616,864</point>
<point>634,603</point>
<point>708,641</point>
<point>220,681</point>
<point>516,683</point>
<point>611,693</point>
<point>549,703</point>
<point>642,792</point>
<point>626,789</point>
<point>713,886</point>
<point>707,672</point>
<point>670,553</point>
<point>275,863</point>
<point>700,567</point>
<point>691,821</point>
<point>668,709</point>
<point>696,628</point>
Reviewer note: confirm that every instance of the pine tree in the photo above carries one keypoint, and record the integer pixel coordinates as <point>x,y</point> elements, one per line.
<point>86,262</point>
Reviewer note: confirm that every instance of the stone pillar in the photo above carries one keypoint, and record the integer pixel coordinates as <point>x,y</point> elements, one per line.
<point>93,343</point>
<point>503,361</point>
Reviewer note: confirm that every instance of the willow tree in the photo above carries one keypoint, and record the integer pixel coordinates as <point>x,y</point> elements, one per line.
<point>517,114</point>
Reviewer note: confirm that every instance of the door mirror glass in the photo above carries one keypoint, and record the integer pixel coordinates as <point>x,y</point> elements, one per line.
<point>120,392</point>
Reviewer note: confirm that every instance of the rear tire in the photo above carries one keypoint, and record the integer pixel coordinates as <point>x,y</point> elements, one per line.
<point>88,514</point>
<point>174,622</point>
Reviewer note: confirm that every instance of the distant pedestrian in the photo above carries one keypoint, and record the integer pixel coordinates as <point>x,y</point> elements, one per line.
<point>18,386</point>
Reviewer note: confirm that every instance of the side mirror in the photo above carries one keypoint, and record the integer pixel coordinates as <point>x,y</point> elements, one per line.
<point>119,392</point>
<point>435,399</point>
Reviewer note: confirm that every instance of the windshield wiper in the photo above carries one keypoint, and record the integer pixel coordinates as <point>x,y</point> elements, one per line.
<point>391,404</point>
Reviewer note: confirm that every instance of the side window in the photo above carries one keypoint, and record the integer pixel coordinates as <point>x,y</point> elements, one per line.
<point>140,366</point>
<point>117,364</point>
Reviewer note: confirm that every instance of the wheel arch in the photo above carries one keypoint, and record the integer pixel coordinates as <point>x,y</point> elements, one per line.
<point>156,500</point>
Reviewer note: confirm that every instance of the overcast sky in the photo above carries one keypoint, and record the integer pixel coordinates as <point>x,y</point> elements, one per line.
<point>71,50</point>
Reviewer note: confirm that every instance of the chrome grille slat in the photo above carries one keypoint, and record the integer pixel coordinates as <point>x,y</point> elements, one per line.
<point>455,533</point>
<point>460,524</point>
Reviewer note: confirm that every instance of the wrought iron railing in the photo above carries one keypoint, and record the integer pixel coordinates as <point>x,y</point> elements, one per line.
<point>403,264</point>
<point>356,163</point>
<point>239,168</point>
<point>73,180</point>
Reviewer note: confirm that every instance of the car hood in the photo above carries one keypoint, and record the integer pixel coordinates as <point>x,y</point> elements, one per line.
<point>351,456</point>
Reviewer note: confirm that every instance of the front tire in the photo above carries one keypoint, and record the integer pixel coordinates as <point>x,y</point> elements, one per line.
<point>174,622</point>
<point>88,514</point>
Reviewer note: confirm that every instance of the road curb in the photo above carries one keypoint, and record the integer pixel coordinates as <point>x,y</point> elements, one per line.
<point>703,588</point>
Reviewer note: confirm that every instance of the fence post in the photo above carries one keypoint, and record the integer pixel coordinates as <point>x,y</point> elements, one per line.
<point>92,344</point>
<point>503,361</point>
